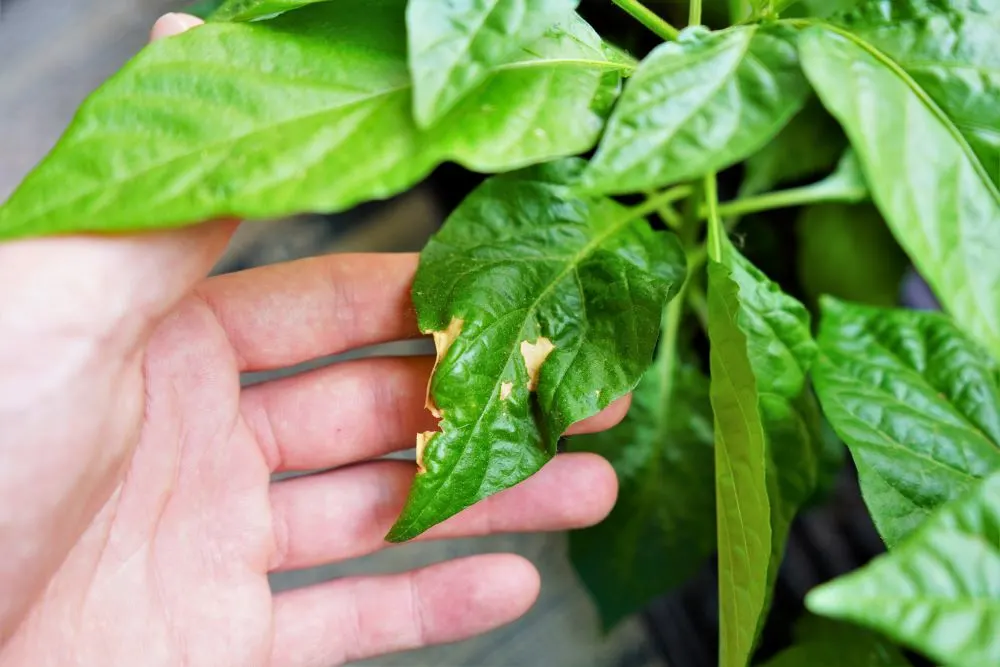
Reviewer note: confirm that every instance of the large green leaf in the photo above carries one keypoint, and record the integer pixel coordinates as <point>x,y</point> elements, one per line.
<point>454,46</point>
<point>847,251</point>
<point>820,642</point>
<point>699,104</point>
<point>307,112</point>
<point>926,180</point>
<point>949,49</point>
<point>248,10</point>
<point>662,528</point>
<point>939,591</point>
<point>766,452</point>
<point>917,403</point>
<point>545,308</point>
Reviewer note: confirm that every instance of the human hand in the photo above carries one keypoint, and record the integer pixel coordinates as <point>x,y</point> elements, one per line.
<point>137,513</point>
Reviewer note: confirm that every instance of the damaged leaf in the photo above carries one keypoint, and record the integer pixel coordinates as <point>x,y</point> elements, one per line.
<point>561,299</point>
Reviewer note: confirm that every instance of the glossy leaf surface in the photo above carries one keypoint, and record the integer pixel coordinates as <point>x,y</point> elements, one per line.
<point>307,112</point>
<point>939,591</point>
<point>454,46</point>
<point>917,403</point>
<point>926,180</point>
<point>545,309</point>
<point>699,104</point>
<point>766,452</point>
<point>662,528</point>
<point>948,48</point>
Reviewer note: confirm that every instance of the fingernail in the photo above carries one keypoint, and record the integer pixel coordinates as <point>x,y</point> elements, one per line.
<point>173,24</point>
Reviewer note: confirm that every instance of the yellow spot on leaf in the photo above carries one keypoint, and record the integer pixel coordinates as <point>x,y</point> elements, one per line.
<point>505,389</point>
<point>422,440</point>
<point>535,355</point>
<point>442,342</point>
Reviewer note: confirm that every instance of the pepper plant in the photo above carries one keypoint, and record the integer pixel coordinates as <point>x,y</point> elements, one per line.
<point>601,259</point>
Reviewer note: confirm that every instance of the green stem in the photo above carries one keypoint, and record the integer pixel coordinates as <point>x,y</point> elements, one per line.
<point>670,217</point>
<point>767,202</point>
<point>649,18</point>
<point>667,355</point>
<point>698,304</point>
<point>694,17</point>
<point>716,232</point>
<point>659,200</point>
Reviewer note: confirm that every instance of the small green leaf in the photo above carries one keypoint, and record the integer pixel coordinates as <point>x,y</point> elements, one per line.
<point>662,451</point>
<point>249,10</point>
<point>311,111</point>
<point>203,8</point>
<point>766,454</point>
<point>939,591</point>
<point>454,46</point>
<point>545,308</point>
<point>930,186</point>
<point>949,49</point>
<point>820,642</point>
<point>810,145</point>
<point>699,104</point>
<point>848,252</point>
<point>917,403</point>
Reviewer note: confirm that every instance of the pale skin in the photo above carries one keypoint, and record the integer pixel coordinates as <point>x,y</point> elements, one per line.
<point>138,520</point>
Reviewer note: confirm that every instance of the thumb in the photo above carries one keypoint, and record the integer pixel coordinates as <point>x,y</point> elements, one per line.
<point>108,287</point>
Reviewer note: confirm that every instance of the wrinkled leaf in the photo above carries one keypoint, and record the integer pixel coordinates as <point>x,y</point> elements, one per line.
<point>545,309</point>
<point>933,191</point>
<point>765,452</point>
<point>846,251</point>
<point>248,10</point>
<point>662,452</point>
<point>939,591</point>
<point>917,403</point>
<point>949,49</point>
<point>454,46</point>
<point>307,112</point>
<point>699,104</point>
<point>811,144</point>
<point>821,642</point>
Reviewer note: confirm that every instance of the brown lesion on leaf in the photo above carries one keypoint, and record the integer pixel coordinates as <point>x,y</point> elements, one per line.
<point>422,440</point>
<point>442,342</point>
<point>534,355</point>
<point>505,390</point>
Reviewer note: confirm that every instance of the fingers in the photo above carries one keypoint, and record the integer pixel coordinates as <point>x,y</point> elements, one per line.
<point>173,24</point>
<point>353,411</point>
<point>346,513</point>
<point>356,618</point>
<point>281,315</point>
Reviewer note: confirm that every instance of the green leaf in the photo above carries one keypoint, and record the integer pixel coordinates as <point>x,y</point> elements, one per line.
<point>766,455</point>
<point>311,111</point>
<point>810,145</point>
<point>847,251</point>
<point>662,451</point>
<point>249,10</point>
<point>917,403</point>
<point>939,591</point>
<point>545,308</point>
<point>948,48</point>
<point>699,104</point>
<point>823,643</point>
<point>455,46</point>
<point>203,8</point>
<point>934,193</point>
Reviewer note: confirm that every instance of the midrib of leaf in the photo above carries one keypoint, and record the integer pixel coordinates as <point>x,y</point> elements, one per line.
<point>631,215</point>
<point>524,64</point>
<point>472,34</point>
<point>922,95</point>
